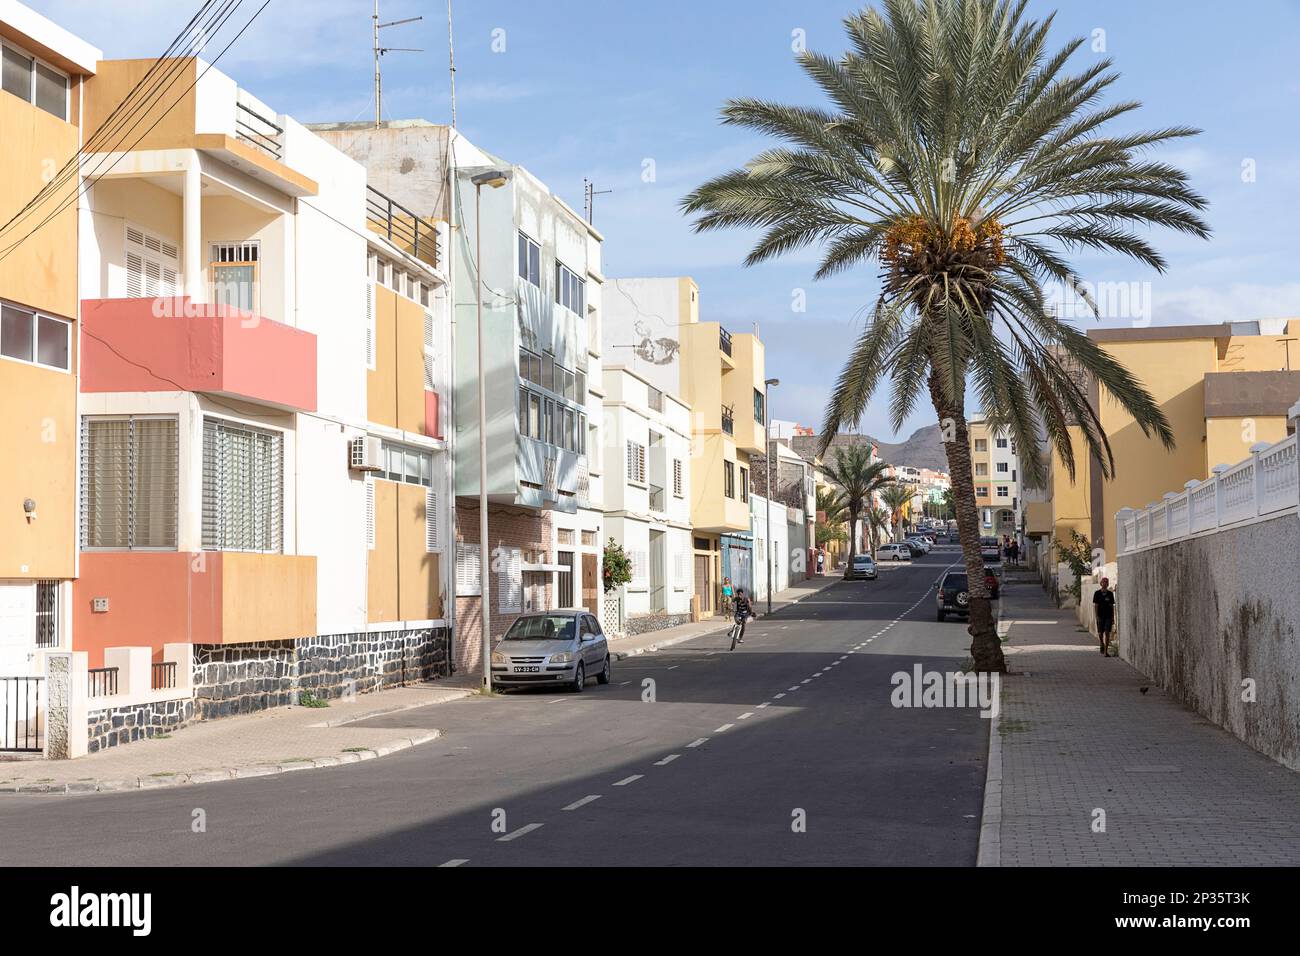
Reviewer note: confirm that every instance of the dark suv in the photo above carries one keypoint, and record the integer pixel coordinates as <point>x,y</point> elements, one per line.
<point>953,594</point>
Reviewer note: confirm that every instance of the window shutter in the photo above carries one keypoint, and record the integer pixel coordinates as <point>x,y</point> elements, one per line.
<point>431,543</point>
<point>428,351</point>
<point>243,487</point>
<point>152,264</point>
<point>154,482</point>
<point>105,483</point>
<point>640,467</point>
<point>468,569</point>
<point>370,325</point>
<point>370,514</point>
<point>510,585</point>
<point>677,477</point>
<point>134,276</point>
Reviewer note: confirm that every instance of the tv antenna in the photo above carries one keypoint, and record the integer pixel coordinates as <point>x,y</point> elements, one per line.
<point>589,194</point>
<point>379,51</point>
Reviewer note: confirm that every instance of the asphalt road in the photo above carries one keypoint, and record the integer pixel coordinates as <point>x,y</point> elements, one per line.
<point>786,751</point>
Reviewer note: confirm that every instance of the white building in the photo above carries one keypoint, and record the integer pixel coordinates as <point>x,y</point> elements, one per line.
<point>783,556</point>
<point>647,443</point>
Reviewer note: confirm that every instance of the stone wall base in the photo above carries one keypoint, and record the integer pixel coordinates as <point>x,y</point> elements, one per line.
<point>645,623</point>
<point>123,725</point>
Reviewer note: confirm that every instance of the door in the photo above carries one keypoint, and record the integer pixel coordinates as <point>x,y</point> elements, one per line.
<point>703,585</point>
<point>565,579</point>
<point>17,627</point>
<point>657,572</point>
<point>590,584</point>
<point>591,656</point>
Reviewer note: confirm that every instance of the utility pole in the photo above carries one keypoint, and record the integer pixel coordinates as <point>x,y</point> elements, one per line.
<point>379,51</point>
<point>451,59</point>
<point>768,385</point>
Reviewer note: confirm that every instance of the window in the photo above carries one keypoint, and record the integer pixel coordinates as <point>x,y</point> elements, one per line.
<point>729,479</point>
<point>1002,491</point>
<point>570,423</point>
<point>548,372</point>
<point>33,81</point>
<point>152,264</point>
<point>744,484</point>
<point>129,483</point>
<point>636,462</point>
<point>234,274</point>
<point>981,468</point>
<point>981,444</point>
<point>677,477</point>
<point>1003,467</point>
<point>981,491</point>
<point>412,466</point>
<point>31,337</point>
<point>759,409</point>
<point>243,485</point>
<point>535,416</point>
<point>565,578</point>
<point>1002,442</point>
<point>523,411</point>
<point>570,291</point>
<point>530,261</point>
<point>582,434</point>
<point>47,613</point>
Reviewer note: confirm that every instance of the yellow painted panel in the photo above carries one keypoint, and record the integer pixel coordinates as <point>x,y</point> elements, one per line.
<point>42,272</point>
<point>267,597</point>
<point>114,80</point>
<point>418,579</point>
<point>381,381</point>
<point>409,362</point>
<point>38,430</point>
<point>1228,440</point>
<point>381,576</point>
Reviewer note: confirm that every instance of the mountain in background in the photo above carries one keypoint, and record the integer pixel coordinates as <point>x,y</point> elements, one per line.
<point>923,449</point>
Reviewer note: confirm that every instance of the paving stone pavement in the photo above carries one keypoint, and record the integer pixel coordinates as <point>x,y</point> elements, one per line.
<point>273,741</point>
<point>1078,736</point>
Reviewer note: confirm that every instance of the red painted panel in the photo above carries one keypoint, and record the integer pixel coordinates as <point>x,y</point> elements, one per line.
<point>174,344</point>
<point>431,418</point>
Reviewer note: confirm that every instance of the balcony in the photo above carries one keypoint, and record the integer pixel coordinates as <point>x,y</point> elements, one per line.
<point>176,344</point>
<point>656,498</point>
<point>655,399</point>
<point>724,341</point>
<point>728,420</point>
<point>258,130</point>
<point>402,227</point>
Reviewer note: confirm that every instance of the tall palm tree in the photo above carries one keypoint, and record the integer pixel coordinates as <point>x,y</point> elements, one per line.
<point>949,504</point>
<point>858,477</point>
<point>897,498</point>
<point>962,157</point>
<point>830,502</point>
<point>878,525</point>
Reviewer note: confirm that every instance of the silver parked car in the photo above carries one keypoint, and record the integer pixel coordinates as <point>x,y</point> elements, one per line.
<point>552,648</point>
<point>861,568</point>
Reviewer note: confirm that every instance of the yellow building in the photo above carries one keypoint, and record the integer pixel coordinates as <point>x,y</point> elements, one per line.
<point>721,375</point>
<point>45,68</point>
<point>1222,387</point>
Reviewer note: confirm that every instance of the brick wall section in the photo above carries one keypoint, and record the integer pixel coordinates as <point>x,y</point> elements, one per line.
<point>122,725</point>
<point>531,532</point>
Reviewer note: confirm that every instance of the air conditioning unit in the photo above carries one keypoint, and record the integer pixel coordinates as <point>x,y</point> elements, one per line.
<point>366,454</point>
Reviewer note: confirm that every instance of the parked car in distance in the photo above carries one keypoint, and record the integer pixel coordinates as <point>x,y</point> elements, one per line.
<point>553,648</point>
<point>922,542</point>
<point>862,568</point>
<point>990,550</point>
<point>894,552</point>
<point>952,595</point>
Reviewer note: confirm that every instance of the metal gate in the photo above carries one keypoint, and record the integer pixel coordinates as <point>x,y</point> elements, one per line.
<point>22,725</point>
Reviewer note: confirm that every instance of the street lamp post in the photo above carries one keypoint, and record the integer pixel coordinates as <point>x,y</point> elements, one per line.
<point>496,178</point>
<point>769,384</point>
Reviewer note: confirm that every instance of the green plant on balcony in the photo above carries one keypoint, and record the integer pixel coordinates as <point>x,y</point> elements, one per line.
<point>616,566</point>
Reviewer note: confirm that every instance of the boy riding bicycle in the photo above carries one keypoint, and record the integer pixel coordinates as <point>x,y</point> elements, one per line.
<point>744,611</point>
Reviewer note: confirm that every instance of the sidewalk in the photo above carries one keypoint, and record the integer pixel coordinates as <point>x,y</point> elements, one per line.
<point>1077,738</point>
<point>254,745</point>
<point>624,647</point>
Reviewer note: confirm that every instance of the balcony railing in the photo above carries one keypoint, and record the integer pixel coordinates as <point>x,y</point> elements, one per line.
<point>401,226</point>
<point>724,340</point>
<point>162,675</point>
<point>656,498</point>
<point>101,682</point>
<point>728,420</point>
<point>258,131</point>
<point>1266,483</point>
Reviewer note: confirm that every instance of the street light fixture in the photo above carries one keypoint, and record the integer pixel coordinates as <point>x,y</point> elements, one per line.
<point>496,178</point>
<point>768,384</point>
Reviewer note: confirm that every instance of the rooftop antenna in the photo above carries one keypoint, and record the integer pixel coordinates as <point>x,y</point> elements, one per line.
<point>451,55</point>
<point>590,192</point>
<point>380,51</point>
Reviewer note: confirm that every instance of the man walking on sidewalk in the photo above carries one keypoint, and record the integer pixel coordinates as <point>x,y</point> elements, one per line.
<point>1103,603</point>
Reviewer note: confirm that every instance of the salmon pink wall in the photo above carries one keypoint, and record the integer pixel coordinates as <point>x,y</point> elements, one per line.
<point>150,345</point>
<point>431,415</point>
<point>154,598</point>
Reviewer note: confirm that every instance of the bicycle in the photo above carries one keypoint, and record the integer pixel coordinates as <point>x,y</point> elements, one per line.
<point>736,628</point>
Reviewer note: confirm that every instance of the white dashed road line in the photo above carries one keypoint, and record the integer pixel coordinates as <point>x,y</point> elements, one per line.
<point>518,833</point>
<point>583,802</point>
<point>724,727</point>
<point>667,760</point>
<point>452,863</point>
<point>777,696</point>
<point>696,743</point>
<point>746,715</point>
<point>632,779</point>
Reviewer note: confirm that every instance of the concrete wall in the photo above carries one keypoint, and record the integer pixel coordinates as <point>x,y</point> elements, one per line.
<point>1203,614</point>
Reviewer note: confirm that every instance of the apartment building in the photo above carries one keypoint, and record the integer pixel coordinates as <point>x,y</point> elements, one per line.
<point>653,326</point>
<point>536,263</point>
<point>995,469</point>
<point>794,486</point>
<point>1223,387</point>
<point>647,438</point>
<point>264,460</point>
<point>45,70</point>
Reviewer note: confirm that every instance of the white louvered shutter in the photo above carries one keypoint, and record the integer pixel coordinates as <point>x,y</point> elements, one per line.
<point>468,569</point>
<point>428,352</point>
<point>510,581</point>
<point>152,264</point>
<point>370,514</point>
<point>431,543</point>
<point>243,487</point>
<point>370,325</point>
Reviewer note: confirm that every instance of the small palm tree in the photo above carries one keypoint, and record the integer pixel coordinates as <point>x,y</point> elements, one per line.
<point>859,478</point>
<point>949,504</point>
<point>830,526</point>
<point>897,498</point>
<point>878,526</point>
<point>961,156</point>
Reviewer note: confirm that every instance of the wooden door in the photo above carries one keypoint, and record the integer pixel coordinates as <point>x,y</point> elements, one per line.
<point>590,584</point>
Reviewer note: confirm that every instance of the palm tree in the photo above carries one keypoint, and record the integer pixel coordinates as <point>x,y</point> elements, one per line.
<point>960,156</point>
<point>949,504</point>
<point>896,498</point>
<point>858,477</point>
<point>878,523</point>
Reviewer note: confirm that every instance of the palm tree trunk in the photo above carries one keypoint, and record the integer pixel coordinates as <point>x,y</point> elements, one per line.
<point>986,646</point>
<point>853,535</point>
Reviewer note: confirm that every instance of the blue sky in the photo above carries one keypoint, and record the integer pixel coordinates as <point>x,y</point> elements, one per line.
<point>596,89</point>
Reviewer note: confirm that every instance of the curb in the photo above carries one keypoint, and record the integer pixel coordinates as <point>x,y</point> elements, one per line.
<point>161,781</point>
<point>455,694</point>
<point>990,845</point>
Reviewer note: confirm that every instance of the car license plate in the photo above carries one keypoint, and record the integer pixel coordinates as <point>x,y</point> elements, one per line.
<point>532,669</point>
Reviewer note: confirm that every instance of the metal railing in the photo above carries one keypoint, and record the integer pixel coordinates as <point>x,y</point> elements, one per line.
<point>724,340</point>
<point>728,420</point>
<point>1266,483</point>
<point>163,676</point>
<point>21,726</point>
<point>401,226</point>
<point>101,681</point>
<point>256,130</point>
<point>656,498</point>
<point>655,398</point>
